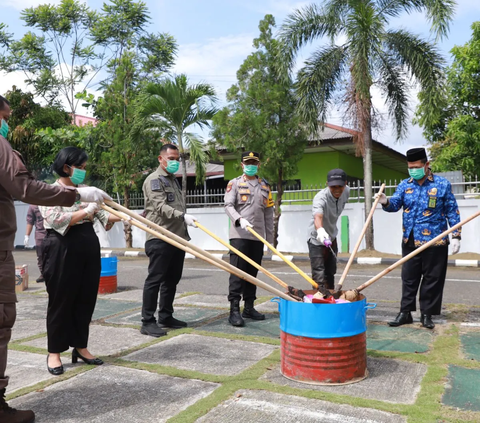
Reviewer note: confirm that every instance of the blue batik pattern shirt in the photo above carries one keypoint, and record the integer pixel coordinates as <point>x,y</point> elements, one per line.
<point>426,209</point>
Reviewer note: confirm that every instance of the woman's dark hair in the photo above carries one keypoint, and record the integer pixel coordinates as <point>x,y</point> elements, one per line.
<point>70,156</point>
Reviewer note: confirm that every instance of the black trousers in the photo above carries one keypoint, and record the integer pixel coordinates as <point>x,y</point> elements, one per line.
<point>323,263</point>
<point>164,272</point>
<point>426,270</point>
<point>39,251</point>
<point>71,268</point>
<point>238,286</point>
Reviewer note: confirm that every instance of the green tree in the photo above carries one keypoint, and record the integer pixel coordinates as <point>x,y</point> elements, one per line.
<point>371,54</point>
<point>58,60</point>
<point>76,43</point>
<point>27,118</point>
<point>173,106</point>
<point>261,115</point>
<point>454,130</point>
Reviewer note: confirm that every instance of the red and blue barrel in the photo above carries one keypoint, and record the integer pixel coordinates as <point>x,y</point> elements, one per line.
<point>324,343</point>
<point>108,276</point>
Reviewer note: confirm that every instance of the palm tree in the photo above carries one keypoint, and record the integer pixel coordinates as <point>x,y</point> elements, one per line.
<point>173,106</point>
<point>371,55</point>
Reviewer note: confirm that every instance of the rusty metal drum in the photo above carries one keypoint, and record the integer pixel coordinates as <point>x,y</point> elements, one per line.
<point>324,343</point>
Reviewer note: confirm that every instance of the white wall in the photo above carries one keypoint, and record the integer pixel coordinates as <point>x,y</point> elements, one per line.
<point>293,228</point>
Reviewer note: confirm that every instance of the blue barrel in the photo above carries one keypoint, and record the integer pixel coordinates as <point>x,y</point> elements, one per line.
<point>324,344</point>
<point>323,320</point>
<point>108,276</point>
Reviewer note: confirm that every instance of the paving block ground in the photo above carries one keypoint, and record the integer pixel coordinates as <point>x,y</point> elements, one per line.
<point>402,339</point>
<point>111,394</point>
<point>263,406</point>
<point>201,300</point>
<point>388,380</point>
<point>463,388</point>
<point>105,340</point>
<point>471,345</point>
<point>270,327</point>
<point>204,354</point>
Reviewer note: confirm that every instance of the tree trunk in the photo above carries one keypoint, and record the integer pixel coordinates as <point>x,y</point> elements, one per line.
<point>127,228</point>
<point>367,171</point>
<point>183,159</point>
<point>278,203</point>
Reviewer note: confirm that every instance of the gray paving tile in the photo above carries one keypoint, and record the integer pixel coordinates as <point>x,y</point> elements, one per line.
<point>135,295</point>
<point>267,307</point>
<point>31,307</point>
<point>105,308</point>
<point>269,327</point>
<point>26,369</point>
<point>263,406</point>
<point>191,315</point>
<point>201,300</point>
<point>110,394</point>
<point>105,340</point>
<point>388,380</point>
<point>204,354</point>
<point>25,328</point>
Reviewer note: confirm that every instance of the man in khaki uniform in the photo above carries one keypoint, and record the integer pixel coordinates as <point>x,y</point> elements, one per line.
<point>16,182</point>
<point>164,206</point>
<point>248,203</point>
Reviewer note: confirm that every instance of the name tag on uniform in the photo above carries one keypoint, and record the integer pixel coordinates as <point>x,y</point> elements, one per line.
<point>432,202</point>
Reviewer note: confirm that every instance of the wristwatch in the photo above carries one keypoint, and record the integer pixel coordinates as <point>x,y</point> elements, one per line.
<point>77,196</point>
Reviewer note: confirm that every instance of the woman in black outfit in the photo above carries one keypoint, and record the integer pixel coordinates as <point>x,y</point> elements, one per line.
<point>71,263</point>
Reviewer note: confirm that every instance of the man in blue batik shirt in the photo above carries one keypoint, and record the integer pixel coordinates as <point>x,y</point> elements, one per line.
<point>428,205</point>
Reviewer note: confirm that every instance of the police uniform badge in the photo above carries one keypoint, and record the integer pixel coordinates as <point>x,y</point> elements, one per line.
<point>155,185</point>
<point>229,186</point>
<point>432,201</point>
<point>170,197</point>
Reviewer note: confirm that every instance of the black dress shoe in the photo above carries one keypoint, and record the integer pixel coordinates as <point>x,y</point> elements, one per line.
<point>151,329</point>
<point>56,371</point>
<point>403,318</point>
<point>41,279</point>
<point>76,355</point>
<point>171,322</point>
<point>427,322</point>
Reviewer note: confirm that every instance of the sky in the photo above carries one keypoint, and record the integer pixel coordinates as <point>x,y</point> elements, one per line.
<point>215,37</point>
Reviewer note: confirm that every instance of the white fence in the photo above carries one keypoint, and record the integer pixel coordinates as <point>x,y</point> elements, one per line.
<point>293,228</point>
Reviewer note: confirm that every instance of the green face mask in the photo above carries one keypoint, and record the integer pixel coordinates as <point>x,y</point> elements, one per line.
<point>250,170</point>
<point>172,166</point>
<point>417,173</point>
<point>78,175</point>
<point>4,129</point>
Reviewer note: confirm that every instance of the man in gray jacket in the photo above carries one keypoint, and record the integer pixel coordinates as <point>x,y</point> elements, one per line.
<point>328,205</point>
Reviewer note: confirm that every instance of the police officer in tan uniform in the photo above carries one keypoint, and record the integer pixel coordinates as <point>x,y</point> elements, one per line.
<point>248,203</point>
<point>164,205</point>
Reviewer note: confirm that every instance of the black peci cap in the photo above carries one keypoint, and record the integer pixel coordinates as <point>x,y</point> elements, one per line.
<point>336,177</point>
<point>415,154</point>
<point>250,155</point>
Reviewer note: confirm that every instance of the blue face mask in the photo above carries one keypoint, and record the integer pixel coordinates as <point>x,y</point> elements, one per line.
<point>78,175</point>
<point>4,129</point>
<point>417,173</point>
<point>250,170</point>
<point>172,166</point>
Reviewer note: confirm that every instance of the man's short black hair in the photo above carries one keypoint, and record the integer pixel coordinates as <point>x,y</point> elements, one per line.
<point>3,102</point>
<point>166,147</point>
<point>70,156</point>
